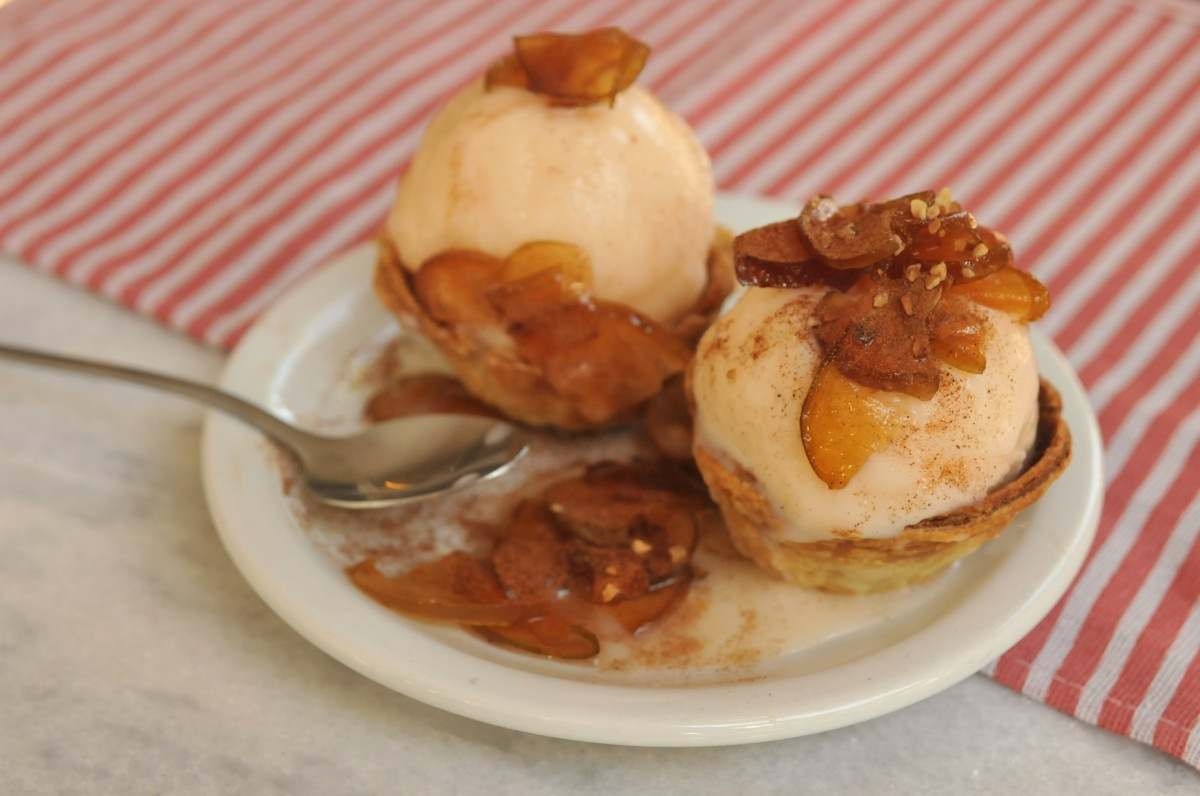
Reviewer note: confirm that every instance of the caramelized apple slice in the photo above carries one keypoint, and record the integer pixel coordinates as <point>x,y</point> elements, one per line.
<point>970,251</point>
<point>640,611</point>
<point>547,635</point>
<point>1009,290</point>
<point>601,514</point>
<point>604,503</point>
<point>842,425</point>
<point>851,236</point>
<point>450,286</point>
<point>424,393</point>
<point>454,588</point>
<point>583,68</point>
<point>542,255</point>
<point>777,255</point>
<point>519,300</point>
<point>957,338</point>
<point>582,349</point>
<point>877,336</point>
<point>532,560</point>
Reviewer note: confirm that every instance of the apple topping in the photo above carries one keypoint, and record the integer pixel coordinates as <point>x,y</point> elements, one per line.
<point>1014,292</point>
<point>602,356</point>
<point>842,424</point>
<point>904,279</point>
<point>572,69</point>
<point>617,540</point>
<point>454,588</point>
<point>638,612</point>
<point>570,262</point>
<point>868,333</point>
<point>778,255</point>
<point>850,236</point>
<point>448,286</point>
<point>956,336</point>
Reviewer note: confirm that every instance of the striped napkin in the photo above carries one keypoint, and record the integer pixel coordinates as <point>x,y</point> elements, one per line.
<point>192,159</point>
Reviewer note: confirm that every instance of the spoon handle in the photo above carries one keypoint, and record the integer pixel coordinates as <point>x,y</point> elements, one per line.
<point>243,410</point>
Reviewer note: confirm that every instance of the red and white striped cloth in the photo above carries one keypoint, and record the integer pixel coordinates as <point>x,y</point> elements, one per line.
<point>192,159</point>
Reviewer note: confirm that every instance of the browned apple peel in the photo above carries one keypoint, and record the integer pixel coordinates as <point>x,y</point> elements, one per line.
<point>572,69</point>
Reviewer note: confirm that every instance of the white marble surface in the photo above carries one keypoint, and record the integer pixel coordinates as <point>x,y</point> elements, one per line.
<point>133,659</point>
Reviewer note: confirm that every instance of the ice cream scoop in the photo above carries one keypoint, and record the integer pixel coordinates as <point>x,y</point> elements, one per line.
<point>628,184</point>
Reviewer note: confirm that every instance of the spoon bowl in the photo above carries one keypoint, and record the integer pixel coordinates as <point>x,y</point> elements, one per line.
<point>441,453</point>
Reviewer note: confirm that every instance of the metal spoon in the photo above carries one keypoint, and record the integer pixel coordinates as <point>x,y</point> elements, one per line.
<point>388,463</point>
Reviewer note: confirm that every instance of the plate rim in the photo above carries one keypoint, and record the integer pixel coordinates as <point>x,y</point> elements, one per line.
<point>742,712</point>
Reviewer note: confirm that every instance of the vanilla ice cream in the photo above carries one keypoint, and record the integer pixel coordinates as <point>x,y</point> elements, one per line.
<point>751,376</point>
<point>628,184</point>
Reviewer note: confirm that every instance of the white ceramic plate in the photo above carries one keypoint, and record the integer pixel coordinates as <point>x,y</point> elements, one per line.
<point>291,361</point>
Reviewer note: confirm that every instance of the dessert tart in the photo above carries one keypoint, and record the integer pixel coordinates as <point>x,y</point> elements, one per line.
<point>870,410</point>
<point>553,236</point>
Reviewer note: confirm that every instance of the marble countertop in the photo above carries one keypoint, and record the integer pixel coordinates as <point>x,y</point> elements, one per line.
<point>133,658</point>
